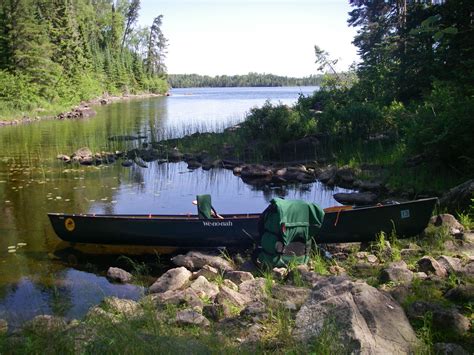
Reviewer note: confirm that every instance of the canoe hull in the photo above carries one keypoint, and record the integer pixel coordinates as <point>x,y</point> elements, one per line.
<point>363,224</point>
<point>240,231</point>
<point>165,231</point>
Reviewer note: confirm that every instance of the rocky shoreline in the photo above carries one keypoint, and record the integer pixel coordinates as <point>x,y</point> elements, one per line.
<point>365,299</point>
<point>366,191</point>
<point>81,111</point>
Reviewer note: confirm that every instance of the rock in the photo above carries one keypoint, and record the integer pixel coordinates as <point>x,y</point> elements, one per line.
<point>248,266</point>
<point>446,319</point>
<point>372,259</point>
<point>204,288</point>
<point>429,265</point>
<point>367,320</point>
<point>463,293</point>
<point>173,279</point>
<point>420,275</point>
<point>401,292</point>
<point>3,326</point>
<point>337,270</point>
<point>208,272</point>
<point>302,274</point>
<point>194,164</point>
<point>254,308</point>
<point>127,163</point>
<point>452,265</point>
<point>229,296</point>
<point>297,295</point>
<point>119,275</point>
<point>448,349</point>
<point>356,198</point>
<point>82,153</point>
<point>238,277</point>
<point>188,297</point>
<point>327,175</point>
<point>396,272</point>
<point>459,197</point>
<point>175,155</point>
<point>194,260</point>
<point>64,158</point>
<point>46,323</point>
<point>448,221</point>
<point>123,307</point>
<point>374,186</point>
<point>254,289</point>
<point>191,317</point>
<point>230,285</point>
<point>345,177</point>
<point>97,313</point>
<point>252,171</point>
<point>279,273</point>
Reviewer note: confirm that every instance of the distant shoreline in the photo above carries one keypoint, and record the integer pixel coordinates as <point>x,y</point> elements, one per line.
<point>84,106</point>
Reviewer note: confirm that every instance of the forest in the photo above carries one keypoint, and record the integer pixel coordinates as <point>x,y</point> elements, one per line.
<point>413,89</point>
<point>249,80</point>
<point>56,53</point>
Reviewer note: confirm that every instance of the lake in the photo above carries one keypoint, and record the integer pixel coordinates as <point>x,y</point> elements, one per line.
<point>39,274</point>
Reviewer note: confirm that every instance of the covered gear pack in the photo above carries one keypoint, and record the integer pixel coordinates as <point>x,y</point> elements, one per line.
<point>286,229</point>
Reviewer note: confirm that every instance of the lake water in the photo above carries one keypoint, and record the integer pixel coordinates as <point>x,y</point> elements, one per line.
<point>39,274</point>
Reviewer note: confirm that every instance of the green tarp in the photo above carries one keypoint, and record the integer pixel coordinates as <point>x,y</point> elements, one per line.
<point>288,229</point>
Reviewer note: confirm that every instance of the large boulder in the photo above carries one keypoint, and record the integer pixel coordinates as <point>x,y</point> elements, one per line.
<point>194,260</point>
<point>365,320</point>
<point>173,279</point>
<point>459,197</point>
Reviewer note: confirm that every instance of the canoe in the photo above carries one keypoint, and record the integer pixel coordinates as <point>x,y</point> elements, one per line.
<point>341,224</point>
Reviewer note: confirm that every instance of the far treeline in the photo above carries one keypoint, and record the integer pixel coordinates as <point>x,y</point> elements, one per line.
<point>413,95</point>
<point>55,53</point>
<point>249,80</point>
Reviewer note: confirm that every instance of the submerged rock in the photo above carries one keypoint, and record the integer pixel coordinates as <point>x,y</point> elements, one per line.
<point>359,317</point>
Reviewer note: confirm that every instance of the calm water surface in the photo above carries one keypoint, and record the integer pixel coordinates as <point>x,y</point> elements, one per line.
<point>39,274</point>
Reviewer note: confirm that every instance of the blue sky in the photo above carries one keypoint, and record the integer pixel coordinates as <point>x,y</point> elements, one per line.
<point>217,37</point>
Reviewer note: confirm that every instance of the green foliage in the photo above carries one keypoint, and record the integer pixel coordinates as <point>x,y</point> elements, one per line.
<point>56,54</point>
<point>274,125</point>
<point>318,263</point>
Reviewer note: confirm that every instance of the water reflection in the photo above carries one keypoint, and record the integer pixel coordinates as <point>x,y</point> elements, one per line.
<point>35,278</point>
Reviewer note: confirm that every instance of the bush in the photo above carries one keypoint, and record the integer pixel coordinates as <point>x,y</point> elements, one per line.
<point>443,127</point>
<point>275,125</point>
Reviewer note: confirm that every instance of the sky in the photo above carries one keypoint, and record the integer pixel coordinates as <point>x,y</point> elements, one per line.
<point>217,37</point>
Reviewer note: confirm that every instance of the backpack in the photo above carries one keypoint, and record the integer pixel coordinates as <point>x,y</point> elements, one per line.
<point>286,230</point>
